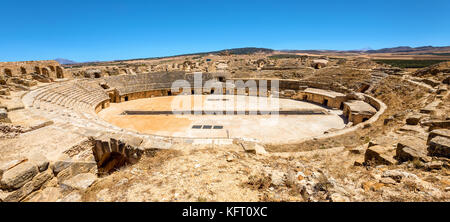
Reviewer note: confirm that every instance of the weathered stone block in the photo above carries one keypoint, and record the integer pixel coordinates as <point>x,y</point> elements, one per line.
<point>437,124</point>
<point>40,161</point>
<point>131,140</point>
<point>411,129</point>
<point>413,119</point>
<point>3,114</point>
<point>411,149</point>
<point>75,196</point>
<point>378,155</point>
<point>18,176</point>
<point>254,148</point>
<point>29,187</point>
<point>80,181</point>
<point>438,132</point>
<point>20,194</point>
<point>431,82</point>
<point>5,92</point>
<point>59,166</point>
<point>83,167</point>
<point>439,146</point>
<point>4,166</point>
<point>49,194</point>
<point>434,165</point>
<point>41,179</point>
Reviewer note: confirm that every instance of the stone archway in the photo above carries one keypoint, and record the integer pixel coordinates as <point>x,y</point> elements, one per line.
<point>8,72</point>
<point>59,72</point>
<point>114,151</point>
<point>45,72</point>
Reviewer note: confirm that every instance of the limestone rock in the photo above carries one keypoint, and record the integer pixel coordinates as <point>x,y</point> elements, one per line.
<point>41,178</point>
<point>431,82</point>
<point>291,178</point>
<point>251,147</point>
<point>438,132</point>
<point>59,166</point>
<point>388,120</point>
<point>439,146</point>
<point>398,175</point>
<point>4,166</point>
<point>75,196</point>
<point>105,195</point>
<point>80,181</point>
<point>64,175</point>
<point>5,92</point>
<point>4,195</point>
<point>412,129</point>
<point>378,155</point>
<point>260,149</point>
<point>437,124</point>
<point>434,165</point>
<point>40,160</point>
<point>446,80</point>
<point>278,178</point>
<point>18,176</point>
<point>336,197</point>
<point>387,180</point>
<point>51,183</point>
<point>359,162</point>
<point>83,167</point>
<point>49,194</point>
<point>31,186</point>
<point>413,119</point>
<point>74,168</point>
<point>21,193</point>
<point>3,114</point>
<point>411,149</point>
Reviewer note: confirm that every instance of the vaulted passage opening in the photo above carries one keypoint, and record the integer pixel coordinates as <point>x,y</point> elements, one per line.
<point>112,162</point>
<point>59,72</point>
<point>45,72</point>
<point>8,72</point>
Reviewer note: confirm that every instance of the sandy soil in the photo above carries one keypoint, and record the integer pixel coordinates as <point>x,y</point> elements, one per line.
<point>288,127</point>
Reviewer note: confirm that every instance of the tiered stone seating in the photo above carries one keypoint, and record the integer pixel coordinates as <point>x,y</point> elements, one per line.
<point>78,95</point>
<point>71,105</point>
<point>126,84</point>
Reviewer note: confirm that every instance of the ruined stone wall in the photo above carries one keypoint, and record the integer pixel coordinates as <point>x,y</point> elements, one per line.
<point>50,69</point>
<point>102,105</point>
<point>335,102</point>
<point>355,117</point>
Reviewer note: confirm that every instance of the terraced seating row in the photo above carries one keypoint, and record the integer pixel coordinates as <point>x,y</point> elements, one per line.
<point>126,84</point>
<point>70,105</point>
<point>76,95</point>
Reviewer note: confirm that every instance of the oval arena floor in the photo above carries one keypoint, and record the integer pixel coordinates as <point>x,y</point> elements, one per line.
<point>242,117</point>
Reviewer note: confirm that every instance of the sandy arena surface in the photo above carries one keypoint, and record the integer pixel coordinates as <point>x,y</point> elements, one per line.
<point>259,127</point>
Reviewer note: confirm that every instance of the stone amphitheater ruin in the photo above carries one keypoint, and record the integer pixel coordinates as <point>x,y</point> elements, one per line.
<point>347,130</point>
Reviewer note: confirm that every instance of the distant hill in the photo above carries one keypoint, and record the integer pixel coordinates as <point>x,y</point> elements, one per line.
<point>65,61</point>
<point>235,51</point>
<point>400,49</point>
<point>409,49</point>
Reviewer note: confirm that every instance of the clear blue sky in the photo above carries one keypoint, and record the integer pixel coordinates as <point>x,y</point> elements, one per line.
<point>108,30</point>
